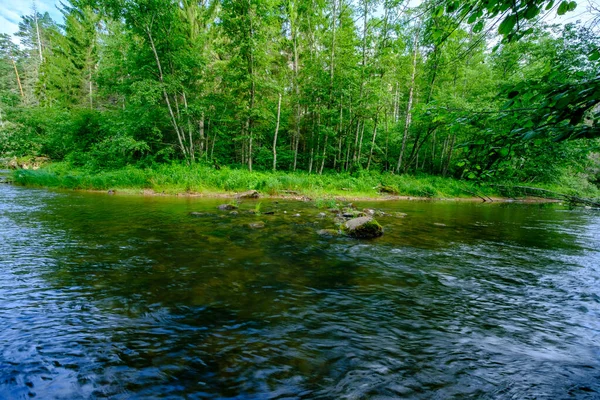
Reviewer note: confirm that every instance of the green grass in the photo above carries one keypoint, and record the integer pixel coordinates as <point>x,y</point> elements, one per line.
<point>177,178</point>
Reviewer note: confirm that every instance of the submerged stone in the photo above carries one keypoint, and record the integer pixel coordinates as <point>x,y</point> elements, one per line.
<point>257,225</point>
<point>227,207</point>
<point>363,228</point>
<point>353,214</point>
<point>328,232</point>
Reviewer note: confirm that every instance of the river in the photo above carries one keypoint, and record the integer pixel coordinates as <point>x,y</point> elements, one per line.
<point>128,297</point>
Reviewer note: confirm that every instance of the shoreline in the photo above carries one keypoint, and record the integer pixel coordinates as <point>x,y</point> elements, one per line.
<point>205,182</point>
<point>297,197</point>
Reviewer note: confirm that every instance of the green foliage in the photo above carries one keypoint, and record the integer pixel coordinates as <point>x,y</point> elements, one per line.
<point>366,88</point>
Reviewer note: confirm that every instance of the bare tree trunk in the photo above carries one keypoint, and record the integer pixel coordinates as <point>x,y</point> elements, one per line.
<point>410,100</point>
<point>91,90</point>
<point>443,154</point>
<point>275,137</point>
<point>362,134</point>
<point>249,121</point>
<point>18,79</point>
<point>339,131</point>
<point>332,55</point>
<point>347,155</point>
<point>189,123</point>
<point>396,106</point>
<point>387,141</point>
<point>433,144</point>
<point>449,158</point>
<point>356,141</point>
<point>296,152</point>
<point>166,96</point>
<point>312,152</point>
<point>212,149</point>
<point>203,136</point>
<point>373,141</point>
<point>37,29</point>
<point>296,134</point>
<point>324,154</point>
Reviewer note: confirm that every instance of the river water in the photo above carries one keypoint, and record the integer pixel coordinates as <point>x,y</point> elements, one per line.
<point>128,297</point>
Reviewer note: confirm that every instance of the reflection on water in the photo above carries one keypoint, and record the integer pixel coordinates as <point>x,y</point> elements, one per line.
<point>128,297</point>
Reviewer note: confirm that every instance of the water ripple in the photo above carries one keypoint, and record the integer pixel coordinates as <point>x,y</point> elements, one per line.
<point>127,298</point>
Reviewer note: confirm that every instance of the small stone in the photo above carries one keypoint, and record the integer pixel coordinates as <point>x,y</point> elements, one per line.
<point>111,191</point>
<point>257,225</point>
<point>233,213</point>
<point>328,232</point>
<point>350,213</point>
<point>439,224</point>
<point>227,207</point>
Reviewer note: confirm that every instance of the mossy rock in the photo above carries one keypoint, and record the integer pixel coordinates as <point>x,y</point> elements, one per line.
<point>362,228</point>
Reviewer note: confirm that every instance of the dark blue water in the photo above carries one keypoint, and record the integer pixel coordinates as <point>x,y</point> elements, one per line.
<point>132,298</point>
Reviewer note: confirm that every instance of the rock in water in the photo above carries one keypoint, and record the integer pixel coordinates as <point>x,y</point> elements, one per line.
<point>250,194</point>
<point>257,225</point>
<point>328,233</point>
<point>227,207</point>
<point>363,228</point>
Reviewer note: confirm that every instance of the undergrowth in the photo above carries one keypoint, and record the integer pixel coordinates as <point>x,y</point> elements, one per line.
<point>177,178</point>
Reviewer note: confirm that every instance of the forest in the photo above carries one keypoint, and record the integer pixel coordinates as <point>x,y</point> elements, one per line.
<point>480,90</point>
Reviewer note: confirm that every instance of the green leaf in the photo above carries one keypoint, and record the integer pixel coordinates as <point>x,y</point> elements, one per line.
<point>471,176</point>
<point>572,6</point>
<point>460,164</point>
<point>504,151</point>
<point>478,27</point>
<point>507,25</point>
<point>594,55</point>
<point>550,5</point>
<point>563,8</point>
<point>531,12</point>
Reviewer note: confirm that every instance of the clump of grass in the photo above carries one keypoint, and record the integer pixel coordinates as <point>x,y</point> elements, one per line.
<point>326,203</point>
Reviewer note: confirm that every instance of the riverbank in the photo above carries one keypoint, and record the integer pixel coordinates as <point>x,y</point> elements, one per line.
<point>206,181</point>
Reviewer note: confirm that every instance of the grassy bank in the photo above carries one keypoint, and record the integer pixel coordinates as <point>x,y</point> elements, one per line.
<point>201,179</point>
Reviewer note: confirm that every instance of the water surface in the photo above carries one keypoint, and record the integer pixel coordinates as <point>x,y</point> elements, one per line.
<point>131,297</point>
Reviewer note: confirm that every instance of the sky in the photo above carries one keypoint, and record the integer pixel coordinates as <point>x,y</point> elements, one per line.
<point>11,11</point>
